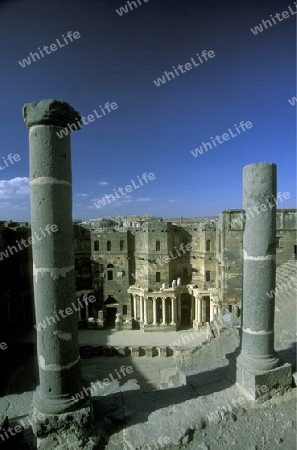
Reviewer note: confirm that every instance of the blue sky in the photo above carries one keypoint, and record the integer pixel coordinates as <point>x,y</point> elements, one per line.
<point>154,129</point>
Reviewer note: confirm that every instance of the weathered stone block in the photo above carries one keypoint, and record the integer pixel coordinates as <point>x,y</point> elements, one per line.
<point>43,424</point>
<point>50,112</point>
<point>135,351</point>
<point>262,386</point>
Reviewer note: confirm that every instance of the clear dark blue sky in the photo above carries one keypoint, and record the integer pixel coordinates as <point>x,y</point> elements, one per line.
<point>154,128</point>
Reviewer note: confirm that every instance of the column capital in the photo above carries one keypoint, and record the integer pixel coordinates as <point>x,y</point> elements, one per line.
<point>50,112</point>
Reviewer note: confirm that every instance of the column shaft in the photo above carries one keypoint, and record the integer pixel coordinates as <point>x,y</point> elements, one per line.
<point>196,308</point>
<point>173,311</point>
<point>259,252</point>
<point>135,307</point>
<point>193,308</point>
<point>199,309</point>
<point>163,311</point>
<point>145,310</point>
<point>211,310</point>
<point>203,318</point>
<point>141,308</point>
<point>53,256</point>
<point>154,311</point>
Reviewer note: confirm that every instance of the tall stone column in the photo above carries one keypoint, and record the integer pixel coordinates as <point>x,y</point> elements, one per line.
<point>196,309</point>
<point>211,310</point>
<point>199,310</point>
<point>154,311</point>
<point>259,253</point>
<point>203,319</point>
<point>135,307</point>
<point>164,311</point>
<point>193,308</point>
<point>173,311</point>
<point>220,307</point>
<point>141,308</point>
<point>145,310</point>
<point>257,363</point>
<point>53,256</point>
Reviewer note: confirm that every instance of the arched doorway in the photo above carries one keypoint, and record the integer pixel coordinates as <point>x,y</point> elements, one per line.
<point>111,309</point>
<point>159,310</point>
<point>168,310</point>
<point>186,306</point>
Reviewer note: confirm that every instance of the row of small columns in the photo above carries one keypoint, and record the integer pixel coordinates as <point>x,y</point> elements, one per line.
<point>175,309</point>
<point>199,309</point>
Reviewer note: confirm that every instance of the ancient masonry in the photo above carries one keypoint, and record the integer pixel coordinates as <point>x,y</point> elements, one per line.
<point>53,270</point>
<point>168,275</point>
<point>56,415</point>
<point>257,363</point>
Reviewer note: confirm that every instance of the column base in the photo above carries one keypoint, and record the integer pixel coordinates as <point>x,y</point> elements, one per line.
<point>196,325</point>
<point>69,431</point>
<point>58,405</point>
<point>259,363</point>
<point>261,385</point>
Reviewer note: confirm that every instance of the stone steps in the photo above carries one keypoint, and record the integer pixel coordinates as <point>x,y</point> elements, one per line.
<point>87,352</point>
<point>285,304</point>
<point>205,361</point>
<point>286,277</point>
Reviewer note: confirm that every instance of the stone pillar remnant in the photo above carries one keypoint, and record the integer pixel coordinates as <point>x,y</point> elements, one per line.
<point>145,311</point>
<point>173,311</point>
<point>199,302</point>
<point>257,362</point>
<point>211,310</point>
<point>259,266</point>
<point>163,311</point>
<point>154,311</point>
<point>141,308</point>
<point>53,256</point>
<point>135,307</point>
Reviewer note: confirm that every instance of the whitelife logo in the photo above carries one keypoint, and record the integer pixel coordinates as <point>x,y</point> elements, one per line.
<point>86,120</point>
<point>165,260</point>
<point>249,213</point>
<point>31,240</point>
<point>292,101</point>
<point>129,188</point>
<point>86,392</point>
<point>284,14</point>
<point>199,150</point>
<point>10,157</point>
<point>188,66</point>
<point>124,9</point>
<point>53,48</point>
<point>49,320</point>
